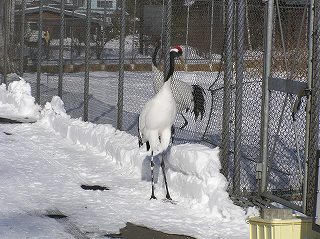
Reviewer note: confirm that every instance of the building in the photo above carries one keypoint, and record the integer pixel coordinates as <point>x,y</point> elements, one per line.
<point>75,22</point>
<point>99,5</point>
<point>96,5</point>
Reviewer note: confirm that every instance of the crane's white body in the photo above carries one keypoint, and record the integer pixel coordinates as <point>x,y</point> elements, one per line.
<point>182,91</point>
<point>156,119</point>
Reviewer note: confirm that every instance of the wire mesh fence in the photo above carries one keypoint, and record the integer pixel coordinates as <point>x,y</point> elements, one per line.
<point>97,56</point>
<point>287,127</point>
<point>313,145</point>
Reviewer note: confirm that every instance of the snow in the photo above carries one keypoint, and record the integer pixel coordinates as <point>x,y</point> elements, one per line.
<point>189,2</point>
<point>17,100</point>
<point>43,165</point>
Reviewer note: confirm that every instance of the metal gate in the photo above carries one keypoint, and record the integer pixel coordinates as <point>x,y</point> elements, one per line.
<point>269,89</point>
<point>287,86</point>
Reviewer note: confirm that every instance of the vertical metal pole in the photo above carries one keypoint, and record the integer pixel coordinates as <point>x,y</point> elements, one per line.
<point>228,76</point>
<point>265,92</point>
<point>121,64</point>
<point>141,28</point>
<point>5,45</point>
<point>248,27</point>
<point>11,20</point>
<point>307,135</point>
<point>134,30</point>
<point>239,92</point>
<point>61,48</point>
<point>187,37</point>
<point>163,15</point>
<point>71,32</point>
<point>87,63</point>
<point>211,33</point>
<point>39,51</point>
<point>23,12</point>
<point>104,26</point>
<point>167,43</point>
<point>314,116</point>
<point>223,13</point>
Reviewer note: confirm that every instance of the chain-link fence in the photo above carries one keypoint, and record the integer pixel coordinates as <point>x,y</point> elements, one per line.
<point>289,84</point>
<point>249,62</point>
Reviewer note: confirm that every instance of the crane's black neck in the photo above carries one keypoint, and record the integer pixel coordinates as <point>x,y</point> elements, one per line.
<point>173,55</point>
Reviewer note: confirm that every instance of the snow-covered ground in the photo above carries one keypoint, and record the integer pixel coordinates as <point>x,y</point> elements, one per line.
<point>45,163</point>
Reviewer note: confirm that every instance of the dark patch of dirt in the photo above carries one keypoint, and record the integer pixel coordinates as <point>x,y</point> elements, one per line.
<point>132,231</point>
<point>94,187</point>
<point>16,121</point>
<point>56,216</point>
<point>9,121</point>
<point>6,133</point>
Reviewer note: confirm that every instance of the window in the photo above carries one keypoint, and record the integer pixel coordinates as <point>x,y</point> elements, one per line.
<point>80,3</point>
<point>104,3</point>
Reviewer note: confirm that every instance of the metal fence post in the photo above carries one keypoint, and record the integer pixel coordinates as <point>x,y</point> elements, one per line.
<point>265,92</point>
<point>5,45</point>
<point>121,64</point>
<point>23,12</point>
<point>71,32</point>
<point>187,37</point>
<point>314,116</point>
<point>211,34</point>
<point>228,76</point>
<point>307,134</point>
<point>87,63</point>
<point>134,31</point>
<point>239,94</point>
<point>39,51</point>
<point>61,46</point>
<point>167,39</point>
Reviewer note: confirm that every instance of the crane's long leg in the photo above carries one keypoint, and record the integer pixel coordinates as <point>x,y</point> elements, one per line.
<point>165,178</point>
<point>152,178</point>
<point>173,130</point>
<point>185,121</point>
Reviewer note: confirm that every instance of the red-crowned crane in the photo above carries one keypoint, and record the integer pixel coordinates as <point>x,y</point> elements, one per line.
<point>188,97</point>
<point>157,118</point>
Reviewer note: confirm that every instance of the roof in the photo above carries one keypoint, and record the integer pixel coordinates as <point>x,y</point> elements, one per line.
<point>31,10</point>
<point>295,2</point>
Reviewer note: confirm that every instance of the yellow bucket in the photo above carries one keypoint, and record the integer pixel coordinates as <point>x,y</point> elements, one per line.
<point>296,228</point>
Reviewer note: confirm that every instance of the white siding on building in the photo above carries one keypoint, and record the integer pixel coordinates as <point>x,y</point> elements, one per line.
<point>98,5</point>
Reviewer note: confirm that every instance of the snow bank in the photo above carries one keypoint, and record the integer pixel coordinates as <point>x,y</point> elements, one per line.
<point>19,99</point>
<point>193,170</point>
<point>194,173</point>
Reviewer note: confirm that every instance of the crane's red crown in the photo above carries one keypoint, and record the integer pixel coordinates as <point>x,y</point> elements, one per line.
<point>178,48</point>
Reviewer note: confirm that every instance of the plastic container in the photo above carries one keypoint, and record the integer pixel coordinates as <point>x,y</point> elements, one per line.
<point>296,228</point>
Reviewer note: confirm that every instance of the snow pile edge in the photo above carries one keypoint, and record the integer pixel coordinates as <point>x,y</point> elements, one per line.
<point>19,96</point>
<point>193,170</point>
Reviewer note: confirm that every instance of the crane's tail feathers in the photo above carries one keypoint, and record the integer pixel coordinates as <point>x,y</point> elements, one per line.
<point>199,101</point>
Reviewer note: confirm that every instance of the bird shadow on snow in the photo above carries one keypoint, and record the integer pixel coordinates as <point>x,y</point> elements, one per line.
<point>146,167</point>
